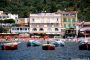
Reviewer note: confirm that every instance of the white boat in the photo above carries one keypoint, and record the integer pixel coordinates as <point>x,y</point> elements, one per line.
<point>84,44</point>
<point>58,43</point>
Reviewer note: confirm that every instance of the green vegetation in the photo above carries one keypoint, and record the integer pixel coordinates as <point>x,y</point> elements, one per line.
<point>3,30</point>
<point>25,7</point>
<point>7,21</point>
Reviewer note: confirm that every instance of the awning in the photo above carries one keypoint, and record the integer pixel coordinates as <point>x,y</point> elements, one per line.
<point>85,29</point>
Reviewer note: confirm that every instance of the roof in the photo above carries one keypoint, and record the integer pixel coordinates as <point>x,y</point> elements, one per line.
<point>84,23</point>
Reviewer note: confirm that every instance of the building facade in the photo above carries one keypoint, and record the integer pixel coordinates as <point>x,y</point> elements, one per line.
<point>21,29</point>
<point>83,28</point>
<point>22,26</point>
<point>45,23</point>
<point>69,19</point>
<point>4,16</point>
<point>23,21</point>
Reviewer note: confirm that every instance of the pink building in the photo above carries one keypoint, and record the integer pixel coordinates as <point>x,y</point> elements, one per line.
<point>84,28</point>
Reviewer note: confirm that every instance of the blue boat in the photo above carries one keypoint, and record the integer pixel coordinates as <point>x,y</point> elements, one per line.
<point>33,43</point>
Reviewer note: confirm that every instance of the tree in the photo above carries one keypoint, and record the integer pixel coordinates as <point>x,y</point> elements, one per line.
<point>24,7</point>
<point>3,30</point>
<point>9,21</point>
<point>1,21</point>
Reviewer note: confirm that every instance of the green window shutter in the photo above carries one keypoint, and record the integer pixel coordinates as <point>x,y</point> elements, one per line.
<point>65,20</point>
<point>73,19</point>
<point>69,25</point>
<point>64,25</point>
<point>73,25</point>
<point>69,20</point>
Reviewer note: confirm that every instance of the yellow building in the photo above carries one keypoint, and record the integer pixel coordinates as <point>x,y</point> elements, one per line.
<point>69,19</point>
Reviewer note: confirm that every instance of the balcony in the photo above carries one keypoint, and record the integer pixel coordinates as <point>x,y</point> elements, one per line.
<point>6,24</point>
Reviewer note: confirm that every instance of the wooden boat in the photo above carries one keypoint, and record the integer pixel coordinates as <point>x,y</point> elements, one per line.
<point>33,43</point>
<point>48,47</point>
<point>9,45</point>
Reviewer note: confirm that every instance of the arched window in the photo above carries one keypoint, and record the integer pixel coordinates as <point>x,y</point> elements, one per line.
<point>34,29</point>
<point>17,28</point>
<point>56,29</point>
<point>41,29</point>
<point>20,28</point>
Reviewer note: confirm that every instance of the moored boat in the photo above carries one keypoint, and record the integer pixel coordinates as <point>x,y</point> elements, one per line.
<point>82,40</point>
<point>48,47</point>
<point>9,45</point>
<point>33,43</point>
<point>58,43</point>
<point>84,45</point>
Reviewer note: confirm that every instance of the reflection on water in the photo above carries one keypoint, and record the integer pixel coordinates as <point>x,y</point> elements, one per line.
<point>69,52</point>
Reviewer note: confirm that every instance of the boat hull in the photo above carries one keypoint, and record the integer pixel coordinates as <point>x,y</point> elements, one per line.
<point>11,47</point>
<point>48,47</point>
<point>84,47</point>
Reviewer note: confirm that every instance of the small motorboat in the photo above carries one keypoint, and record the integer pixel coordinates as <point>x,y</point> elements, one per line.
<point>9,45</point>
<point>84,45</point>
<point>48,47</point>
<point>33,43</point>
<point>82,40</point>
<point>59,43</point>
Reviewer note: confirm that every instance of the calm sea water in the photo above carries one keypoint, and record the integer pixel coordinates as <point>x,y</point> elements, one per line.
<point>69,52</point>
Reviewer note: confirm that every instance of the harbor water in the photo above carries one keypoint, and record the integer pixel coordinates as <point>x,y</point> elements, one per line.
<point>69,52</point>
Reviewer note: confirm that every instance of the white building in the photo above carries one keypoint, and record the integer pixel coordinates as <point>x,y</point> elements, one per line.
<point>45,23</point>
<point>21,29</point>
<point>4,16</point>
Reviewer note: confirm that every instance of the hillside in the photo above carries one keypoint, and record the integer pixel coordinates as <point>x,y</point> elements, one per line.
<point>25,7</point>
